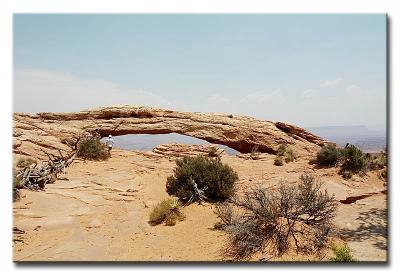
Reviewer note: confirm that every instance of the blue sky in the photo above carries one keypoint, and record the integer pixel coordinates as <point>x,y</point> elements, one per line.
<point>309,70</point>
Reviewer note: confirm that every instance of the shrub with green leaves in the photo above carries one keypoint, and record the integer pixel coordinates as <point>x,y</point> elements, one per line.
<point>93,149</point>
<point>200,173</point>
<point>353,159</point>
<point>167,211</point>
<point>329,155</point>
<point>342,254</point>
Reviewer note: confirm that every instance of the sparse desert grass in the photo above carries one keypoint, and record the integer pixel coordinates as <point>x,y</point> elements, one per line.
<point>167,211</point>
<point>284,154</point>
<point>92,148</point>
<point>296,216</point>
<point>342,254</point>
<point>201,177</point>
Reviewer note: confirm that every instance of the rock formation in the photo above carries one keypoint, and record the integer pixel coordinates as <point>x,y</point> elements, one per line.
<point>179,150</point>
<point>48,131</point>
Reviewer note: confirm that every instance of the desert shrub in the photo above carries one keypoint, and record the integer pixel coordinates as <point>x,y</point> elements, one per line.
<point>92,148</point>
<point>329,155</point>
<point>278,161</point>
<point>289,155</point>
<point>353,159</point>
<point>281,150</point>
<point>25,162</point>
<point>273,220</point>
<point>342,254</point>
<point>167,211</point>
<point>213,152</point>
<point>376,162</point>
<point>284,153</point>
<point>196,178</point>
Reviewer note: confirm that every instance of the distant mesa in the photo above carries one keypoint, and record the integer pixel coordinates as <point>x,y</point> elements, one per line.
<point>31,133</point>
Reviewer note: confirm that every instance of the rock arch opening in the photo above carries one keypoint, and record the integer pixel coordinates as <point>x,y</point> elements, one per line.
<point>147,142</point>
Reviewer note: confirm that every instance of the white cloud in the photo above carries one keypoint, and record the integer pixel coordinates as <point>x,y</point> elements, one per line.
<point>331,83</point>
<point>217,99</point>
<point>39,90</point>
<point>262,98</point>
<point>310,93</point>
<point>353,90</point>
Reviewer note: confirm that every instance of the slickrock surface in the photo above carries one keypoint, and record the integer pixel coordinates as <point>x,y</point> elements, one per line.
<point>47,130</point>
<point>101,212</point>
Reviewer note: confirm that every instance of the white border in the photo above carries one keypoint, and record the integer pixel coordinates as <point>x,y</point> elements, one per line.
<point>7,8</point>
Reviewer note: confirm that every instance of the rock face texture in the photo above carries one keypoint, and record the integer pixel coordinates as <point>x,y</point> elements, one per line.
<point>179,150</point>
<point>46,131</point>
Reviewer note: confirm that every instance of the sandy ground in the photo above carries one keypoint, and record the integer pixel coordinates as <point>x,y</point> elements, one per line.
<point>100,212</point>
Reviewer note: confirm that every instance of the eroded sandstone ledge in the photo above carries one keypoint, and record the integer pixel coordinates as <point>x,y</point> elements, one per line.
<point>31,133</point>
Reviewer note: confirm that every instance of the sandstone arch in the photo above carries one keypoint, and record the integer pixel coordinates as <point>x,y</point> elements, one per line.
<point>242,133</point>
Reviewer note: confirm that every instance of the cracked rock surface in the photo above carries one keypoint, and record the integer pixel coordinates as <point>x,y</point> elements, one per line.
<point>101,211</point>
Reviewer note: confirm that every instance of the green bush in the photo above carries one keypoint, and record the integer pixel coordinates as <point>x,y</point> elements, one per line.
<point>342,254</point>
<point>201,173</point>
<point>93,149</point>
<point>329,155</point>
<point>167,211</point>
<point>25,162</point>
<point>353,159</point>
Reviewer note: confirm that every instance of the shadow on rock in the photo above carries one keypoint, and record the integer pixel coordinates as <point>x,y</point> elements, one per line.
<point>373,227</point>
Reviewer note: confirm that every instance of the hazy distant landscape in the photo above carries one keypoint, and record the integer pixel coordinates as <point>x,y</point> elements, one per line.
<point>369,139</point>
<point>146,142</point>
